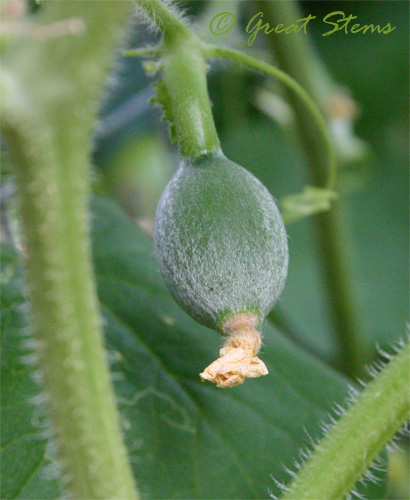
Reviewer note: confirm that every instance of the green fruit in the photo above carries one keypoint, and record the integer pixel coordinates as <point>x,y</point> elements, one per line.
<point>220,241</point>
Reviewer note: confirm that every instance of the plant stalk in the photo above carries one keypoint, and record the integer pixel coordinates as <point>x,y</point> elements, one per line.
<point>296,58</point>
<point>354,442</point>
<point>72,360</point>
<point>49,90</point>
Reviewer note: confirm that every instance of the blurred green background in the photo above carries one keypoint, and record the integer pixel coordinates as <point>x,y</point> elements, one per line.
<point>134,159</point>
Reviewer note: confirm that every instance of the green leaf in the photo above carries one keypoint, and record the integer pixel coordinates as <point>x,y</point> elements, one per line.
<point>186,439</point>
<point>25,455</point>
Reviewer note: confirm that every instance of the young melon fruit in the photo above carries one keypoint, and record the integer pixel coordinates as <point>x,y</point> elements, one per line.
<point>222,250</point>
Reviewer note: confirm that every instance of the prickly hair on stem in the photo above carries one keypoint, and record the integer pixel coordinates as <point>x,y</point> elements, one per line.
<point>161,15</point>
<point>356,437</point>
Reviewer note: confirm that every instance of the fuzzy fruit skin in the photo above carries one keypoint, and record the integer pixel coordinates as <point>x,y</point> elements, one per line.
<point>220,241</point>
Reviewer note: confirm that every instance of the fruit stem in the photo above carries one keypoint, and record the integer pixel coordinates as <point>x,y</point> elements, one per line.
<point>238,358</point>
<point>184,75</point>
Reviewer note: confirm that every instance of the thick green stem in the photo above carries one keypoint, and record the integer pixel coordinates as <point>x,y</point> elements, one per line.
<point>355,441</point>
<point>48,112</point>
<point>296,59</point>
<point>184,76</point>
<point>72,360</point>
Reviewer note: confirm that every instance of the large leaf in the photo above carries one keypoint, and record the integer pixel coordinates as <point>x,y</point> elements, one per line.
<point>193,440</point>
<point>186,439</point>
<point>25,455</point>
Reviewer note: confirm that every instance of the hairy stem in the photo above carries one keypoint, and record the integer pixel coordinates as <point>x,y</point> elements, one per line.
<point>48,112</point>
<point>184,76</point>
<point>296,58</point>
<point>355,441</point>
<point>167,21</point>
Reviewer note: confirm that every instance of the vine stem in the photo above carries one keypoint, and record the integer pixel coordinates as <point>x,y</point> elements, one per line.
<point>234,55</point>
<point>47,115</point>
<point>354,442</point>
<point>296,57</point>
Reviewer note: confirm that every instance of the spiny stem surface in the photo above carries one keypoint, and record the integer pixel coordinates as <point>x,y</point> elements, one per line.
<point>48,112</point>
<point>355,441</point>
